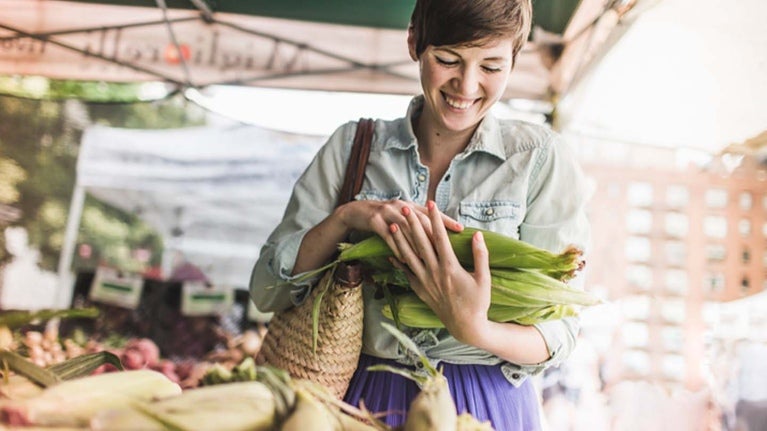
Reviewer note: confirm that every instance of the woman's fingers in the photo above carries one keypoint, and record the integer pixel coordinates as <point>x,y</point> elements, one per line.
<point>439,235</point>
<point>481,259</point>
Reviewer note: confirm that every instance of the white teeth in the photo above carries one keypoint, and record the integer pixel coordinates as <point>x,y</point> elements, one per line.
<point>458,104</point>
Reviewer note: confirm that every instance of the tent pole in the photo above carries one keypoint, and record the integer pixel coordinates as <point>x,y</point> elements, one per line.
<point>65,281</point>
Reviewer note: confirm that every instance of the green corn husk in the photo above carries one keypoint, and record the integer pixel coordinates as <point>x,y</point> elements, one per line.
<point>504,253</point>
<point>520,296</point>
<point>534,288</point>
<point>413,312</point>
<point>528,282</point>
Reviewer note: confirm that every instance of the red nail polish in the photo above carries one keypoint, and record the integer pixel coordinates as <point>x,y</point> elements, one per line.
<point>406,211</point>
<point>430,205</point>
<point>393,228</point>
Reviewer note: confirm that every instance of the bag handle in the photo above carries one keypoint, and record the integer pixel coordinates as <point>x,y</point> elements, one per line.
<point>355,169</point>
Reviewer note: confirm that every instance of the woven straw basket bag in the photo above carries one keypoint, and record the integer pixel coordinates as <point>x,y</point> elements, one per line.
<point>289,340</point>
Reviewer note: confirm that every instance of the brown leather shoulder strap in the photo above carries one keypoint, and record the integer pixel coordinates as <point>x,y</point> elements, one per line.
<point>355,170</point>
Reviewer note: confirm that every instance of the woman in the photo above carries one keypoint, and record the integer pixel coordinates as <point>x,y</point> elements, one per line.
<point>447,164</point>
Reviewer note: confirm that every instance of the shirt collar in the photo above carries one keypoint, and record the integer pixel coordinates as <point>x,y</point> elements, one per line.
<point>487,138</point>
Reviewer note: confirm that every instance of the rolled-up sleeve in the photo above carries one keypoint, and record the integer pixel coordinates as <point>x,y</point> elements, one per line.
<point>556,218</point>
<point>272,287</point>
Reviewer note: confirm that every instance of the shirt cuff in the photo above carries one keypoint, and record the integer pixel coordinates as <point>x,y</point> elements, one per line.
<point>282,264</point>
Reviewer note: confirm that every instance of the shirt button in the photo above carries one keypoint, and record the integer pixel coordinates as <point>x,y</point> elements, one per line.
<point>419,365</point>
<point>515,376</point>
<point>489,211</point>
<point>421,177</point>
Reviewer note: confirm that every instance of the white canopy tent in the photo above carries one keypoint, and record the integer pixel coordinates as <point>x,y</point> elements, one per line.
<point>684,74</point>
<point>212,193</point>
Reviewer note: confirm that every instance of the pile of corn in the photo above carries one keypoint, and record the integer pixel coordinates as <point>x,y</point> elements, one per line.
<point>529,284</point>
<point>68,396</point>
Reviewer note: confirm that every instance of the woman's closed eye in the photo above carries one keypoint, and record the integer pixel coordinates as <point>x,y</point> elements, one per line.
<point>446,62</point>
<point>492,69</point>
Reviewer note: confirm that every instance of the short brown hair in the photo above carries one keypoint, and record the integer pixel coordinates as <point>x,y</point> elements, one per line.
<point>470,22</point>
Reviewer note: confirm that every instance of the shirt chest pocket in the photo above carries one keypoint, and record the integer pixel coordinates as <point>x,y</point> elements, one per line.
<point>498,216</point>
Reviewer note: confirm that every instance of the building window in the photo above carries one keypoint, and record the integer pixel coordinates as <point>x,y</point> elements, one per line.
<point>715,226</point>
<point>676,281</point>
<point>639,222</point>
<point>716,198</point>
<point>638,249</point>
<point>745,285</point>
<point>673,367</point>
<point>635,334</point>
<point>677,196</point>
<point>636,307</point>
<point>716,252</point>
<point>640,194</point>
<point>673,310</point>
<point>672,338</point>
<point>744,227</point>
<point>745,201</point>
<point>677,225</point>
<point>639,277</point>
<point>714,283</point>
<point>676,253</point>
<point>636,362</point>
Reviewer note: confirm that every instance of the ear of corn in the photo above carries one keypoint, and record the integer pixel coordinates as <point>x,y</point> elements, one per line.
<point>75,402</point>
<point>504,253</point>
<point>238,406</point>
<point>125,419</point>
<point>309,414</point>
<point>528,283</point>
<point>433,408</point>
<point>413,312</point>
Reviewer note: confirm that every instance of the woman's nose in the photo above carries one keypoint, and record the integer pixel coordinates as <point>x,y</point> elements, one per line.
<point>467,81</point>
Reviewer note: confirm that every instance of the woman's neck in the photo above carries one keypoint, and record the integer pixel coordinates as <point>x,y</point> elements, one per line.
<point>436,144</point>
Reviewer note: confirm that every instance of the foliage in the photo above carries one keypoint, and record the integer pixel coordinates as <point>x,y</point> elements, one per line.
<point>36,87</point>
<point>41,138</point>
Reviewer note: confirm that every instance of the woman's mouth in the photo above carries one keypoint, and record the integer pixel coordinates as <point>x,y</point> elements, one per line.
<point>456,103</point>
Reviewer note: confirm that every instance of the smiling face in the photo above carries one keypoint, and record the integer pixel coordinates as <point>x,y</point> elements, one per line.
<point>461,83</point>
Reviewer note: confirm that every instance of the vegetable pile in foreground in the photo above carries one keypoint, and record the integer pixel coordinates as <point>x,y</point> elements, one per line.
<point>529,284</point>
<point>251,398</point>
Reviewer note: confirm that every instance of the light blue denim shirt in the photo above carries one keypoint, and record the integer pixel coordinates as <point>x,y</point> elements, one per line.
<point>515,178</point>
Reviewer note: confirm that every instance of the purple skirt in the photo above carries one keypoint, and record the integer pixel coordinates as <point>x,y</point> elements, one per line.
<point>482,390</point>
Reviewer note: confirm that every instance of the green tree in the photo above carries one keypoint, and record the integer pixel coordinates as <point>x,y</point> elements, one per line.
<point>42,138</point>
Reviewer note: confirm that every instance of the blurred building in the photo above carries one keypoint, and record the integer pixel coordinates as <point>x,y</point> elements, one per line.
<point>678,235</point>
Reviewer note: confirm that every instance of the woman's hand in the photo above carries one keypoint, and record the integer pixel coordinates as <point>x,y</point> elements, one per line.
<point>377,216</point>
<point>459,298</point>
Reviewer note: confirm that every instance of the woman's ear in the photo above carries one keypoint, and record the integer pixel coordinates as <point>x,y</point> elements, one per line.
<point>411,43</point>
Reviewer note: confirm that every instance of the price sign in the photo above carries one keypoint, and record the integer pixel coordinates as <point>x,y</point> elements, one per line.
<point>201,299</point>
<point>114,287</point>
